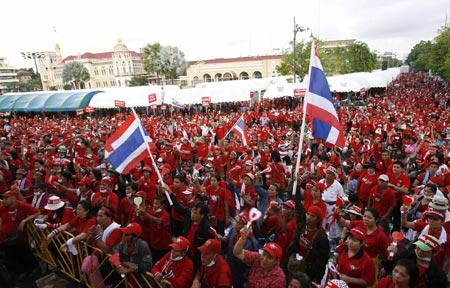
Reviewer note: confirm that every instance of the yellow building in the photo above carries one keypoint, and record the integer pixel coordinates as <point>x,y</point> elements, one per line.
<point>106,69</point>
<point>216,70</point>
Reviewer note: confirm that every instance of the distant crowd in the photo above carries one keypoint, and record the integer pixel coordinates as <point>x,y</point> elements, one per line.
<point>372,214</point>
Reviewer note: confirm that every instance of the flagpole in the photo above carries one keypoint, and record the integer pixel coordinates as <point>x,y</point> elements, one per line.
<point>151,156</point>
<point>302,131</point>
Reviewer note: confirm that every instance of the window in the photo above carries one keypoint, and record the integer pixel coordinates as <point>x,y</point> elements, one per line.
<point>103,71</point>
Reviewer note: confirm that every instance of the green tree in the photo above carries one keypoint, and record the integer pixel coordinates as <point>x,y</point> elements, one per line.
<point>76,74</point>
<point>172,62</point>
<point>302,54</point>
<point>419,57</point>
<point>360,59</point>
<point>150,57</point>
<point>138,81</point>
<point>440,53</point>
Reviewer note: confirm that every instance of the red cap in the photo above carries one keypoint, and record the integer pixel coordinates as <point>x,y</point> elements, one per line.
<point>85,181</point>
<point>132,228</point>
<point>141,194</point>
<point>315,210</point>
<point>147,168</point>
<point>180,244</point>
<point>310,185</point>
<point>10,193</point>
<point>211,246</point>
<point>320,186</point>
<point>244,217</point>
<point>273,249</point>
<point>358,234</point>
<point>289,204</point>
<point>105,181</point>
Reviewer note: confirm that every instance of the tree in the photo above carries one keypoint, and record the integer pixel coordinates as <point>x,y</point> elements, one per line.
<point>76,74</point>
<point>172,62</point>
<point>150,57</point>
<point>302,54</point>
<point>137,81</point>
<point>360,59</point>
<point>440,53</point>
<point>419,57</point>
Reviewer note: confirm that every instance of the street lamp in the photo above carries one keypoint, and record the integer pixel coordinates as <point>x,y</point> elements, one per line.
<point>34,56</point>
<point>297,28</point>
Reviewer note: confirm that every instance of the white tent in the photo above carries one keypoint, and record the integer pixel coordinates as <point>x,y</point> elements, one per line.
<point>132,96</point>
<point>283,89</point>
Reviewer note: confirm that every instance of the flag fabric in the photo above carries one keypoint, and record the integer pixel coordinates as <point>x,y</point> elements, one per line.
<point>319,105</point>
<point>176,104</point>
<point>127,145</point>
<point>240,130</point>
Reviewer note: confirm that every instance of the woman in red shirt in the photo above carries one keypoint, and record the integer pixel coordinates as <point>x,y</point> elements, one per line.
<point>404,275</point>
<point>85,218</point>
<point>217,201</point>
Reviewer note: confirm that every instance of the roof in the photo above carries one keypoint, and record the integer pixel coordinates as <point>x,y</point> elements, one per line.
<point>101,55</point>
<point>238,59</point>
<point>50,101</point>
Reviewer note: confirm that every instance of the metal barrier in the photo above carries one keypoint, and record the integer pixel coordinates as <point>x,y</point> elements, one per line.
<point>70,264</point>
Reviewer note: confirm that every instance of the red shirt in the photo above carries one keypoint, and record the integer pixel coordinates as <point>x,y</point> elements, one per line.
<point>82,225</point>
<point>57,221</point>
<point>283,238</point>
<point>114,238</point>
<point>439,257</point>
<point>258,278</point>
<point>358,266</point>
<point>366,183</point>
<point>375,243</point>
<point>10,220</point>
<point>159,233</point>
<point>218,275</point>
<point>216,201</point>
<point>382,201</point>
<point>308,202</point>
<point>183,270</point>
<point>401,181</point>
<point>126,209</point>
<point>107,198</point>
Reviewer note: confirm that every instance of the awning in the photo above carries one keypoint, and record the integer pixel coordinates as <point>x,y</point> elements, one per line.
<point>56,101</point>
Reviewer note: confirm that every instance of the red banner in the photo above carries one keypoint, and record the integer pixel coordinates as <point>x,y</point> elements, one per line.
<point>119,103</point>
<point>301,92</point>
<point>152,98</point>
<point>89,109</point>
<point>163,107</point>
<point>206,101</point>
<point>80,112</point>
<point>252,94</point>
<point>154,106</point>
<point>362,91</point>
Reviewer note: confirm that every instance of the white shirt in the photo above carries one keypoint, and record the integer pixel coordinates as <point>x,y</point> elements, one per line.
<point>331,193</point>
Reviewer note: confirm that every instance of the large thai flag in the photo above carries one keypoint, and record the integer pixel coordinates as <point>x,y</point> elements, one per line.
<point>240,130</point>
<point>128,145</point>
<point>176,104</point>
<point>319,105</point>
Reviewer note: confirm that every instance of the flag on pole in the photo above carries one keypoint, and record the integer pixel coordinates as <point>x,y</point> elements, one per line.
<point>176,104</point>
<point>319,105</point>
<point>240,130</point>
<point>127,145</point>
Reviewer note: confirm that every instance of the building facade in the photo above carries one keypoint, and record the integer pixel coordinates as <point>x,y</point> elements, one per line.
<point>8,74</point>
<point>241,68</point>
<point>106,69</point>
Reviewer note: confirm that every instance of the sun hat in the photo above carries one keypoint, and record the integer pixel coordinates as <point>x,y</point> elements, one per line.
<point>427,243</point>
<point>54,203</point>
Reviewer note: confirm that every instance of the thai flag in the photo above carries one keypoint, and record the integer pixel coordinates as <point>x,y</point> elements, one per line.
<point>176,104</point>
<point>127,145</point>
<point>240,130</point>
<point>319,105</point>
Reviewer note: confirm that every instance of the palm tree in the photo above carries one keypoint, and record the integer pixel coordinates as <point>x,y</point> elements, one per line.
<point>75,74</point>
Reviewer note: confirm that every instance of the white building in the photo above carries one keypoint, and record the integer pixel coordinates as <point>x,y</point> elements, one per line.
<point>7,74</point>
<point>106,69</point>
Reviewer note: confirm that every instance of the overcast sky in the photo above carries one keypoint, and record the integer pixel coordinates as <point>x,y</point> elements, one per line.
<point>212,29</point>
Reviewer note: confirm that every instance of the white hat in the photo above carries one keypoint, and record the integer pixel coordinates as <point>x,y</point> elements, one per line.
<point>383,177</point>
<point>54,203</point>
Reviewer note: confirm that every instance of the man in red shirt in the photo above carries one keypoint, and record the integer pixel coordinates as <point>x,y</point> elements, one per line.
<point>399,182</point>
<point>14,216</point>
<point>265,270</point>
<point>366,181</point>
<point>105,196</point>
<point>175,267</point>
<point>382,198</point>
<point>214,271</point>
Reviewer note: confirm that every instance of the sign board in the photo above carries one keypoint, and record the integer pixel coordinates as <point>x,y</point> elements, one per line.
<point>153,106</point>
<point>152,98</point>
<point>362,91</point>
<point>301,92</point>
<point>119,103</point>
<point>163,107</point>
<point>206,101</point>
<point>252,94</point>
<point>89,109</point>
<point>80,112</point>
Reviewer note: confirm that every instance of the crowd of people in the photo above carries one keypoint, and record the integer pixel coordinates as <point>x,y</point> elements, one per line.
<point>372,214</point>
